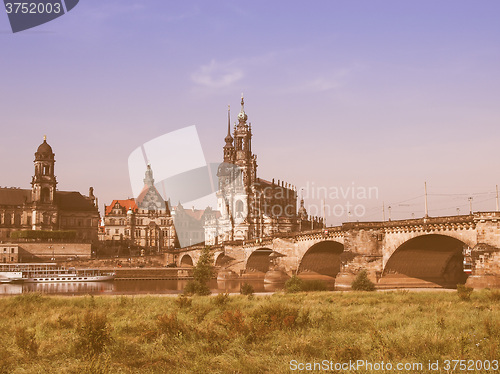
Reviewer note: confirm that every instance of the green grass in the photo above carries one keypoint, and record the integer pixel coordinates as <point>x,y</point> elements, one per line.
<point>238,334</point>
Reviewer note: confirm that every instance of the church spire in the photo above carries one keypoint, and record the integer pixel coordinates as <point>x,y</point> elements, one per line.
<point>229,148</point>
<point>229,138</point>
<point>242,117</point>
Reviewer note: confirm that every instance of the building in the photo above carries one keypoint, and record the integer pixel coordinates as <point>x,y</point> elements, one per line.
<point>144,222</point>
<point>251,207</point>
<point>43,213</point>
<point>190,224</point>
<point>9,253</point>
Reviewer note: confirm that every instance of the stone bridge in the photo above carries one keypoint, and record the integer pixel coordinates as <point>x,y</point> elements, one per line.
<point>425,252</point>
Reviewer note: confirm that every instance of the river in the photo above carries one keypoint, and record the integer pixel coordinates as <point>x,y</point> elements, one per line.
<point>128,287</point>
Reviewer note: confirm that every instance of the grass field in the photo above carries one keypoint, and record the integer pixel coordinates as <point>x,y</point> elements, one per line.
<point>238,334</point>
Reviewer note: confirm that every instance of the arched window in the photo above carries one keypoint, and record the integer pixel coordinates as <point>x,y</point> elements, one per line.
<point>239,206</point>
<point>45,196</point>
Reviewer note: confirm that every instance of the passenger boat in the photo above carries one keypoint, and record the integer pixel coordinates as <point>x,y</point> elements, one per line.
<point>49,272</point>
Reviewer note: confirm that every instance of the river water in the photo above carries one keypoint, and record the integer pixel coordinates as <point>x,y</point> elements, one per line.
<point>129,287</point>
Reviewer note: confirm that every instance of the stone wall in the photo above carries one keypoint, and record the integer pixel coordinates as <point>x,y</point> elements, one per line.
<point>32,252</point>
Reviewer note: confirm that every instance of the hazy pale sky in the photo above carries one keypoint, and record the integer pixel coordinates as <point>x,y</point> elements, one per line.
<point>342,94</point>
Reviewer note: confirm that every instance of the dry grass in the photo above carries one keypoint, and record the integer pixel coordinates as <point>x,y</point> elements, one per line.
<point>235,334</point>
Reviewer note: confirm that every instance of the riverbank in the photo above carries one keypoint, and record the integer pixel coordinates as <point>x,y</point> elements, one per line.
<point>223,334</point>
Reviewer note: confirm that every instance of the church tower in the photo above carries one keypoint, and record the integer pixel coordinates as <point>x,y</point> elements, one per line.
<point>44,181</point>
<point>244,159</point>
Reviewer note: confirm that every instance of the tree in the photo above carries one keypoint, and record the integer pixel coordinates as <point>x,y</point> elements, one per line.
<point>202,273</point>
<point>362,283</point>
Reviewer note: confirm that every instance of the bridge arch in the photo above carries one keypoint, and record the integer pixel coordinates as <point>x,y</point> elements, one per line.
<point>221,259</point>
<point>186,261</point>
<point>394,240</point>
<point>433,258</point>
<point>259,260</point>
<point>322,258</point>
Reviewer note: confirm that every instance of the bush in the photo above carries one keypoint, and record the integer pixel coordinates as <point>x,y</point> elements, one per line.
<point>362,283</point>
<point>168,324</point>
<point>194,287</point>
<point>221,299</point>
<point>93,333</point>
<point>279,317</point>
<point>494,295</point>
<point>294,284</point>
<point>246,289</point>
<point>26,341</point>
<point>183,302</point>
<point>464,292</point>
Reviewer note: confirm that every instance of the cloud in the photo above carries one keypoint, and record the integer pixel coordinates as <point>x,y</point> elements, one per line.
<point>217,75</point>
<point>325,82</point>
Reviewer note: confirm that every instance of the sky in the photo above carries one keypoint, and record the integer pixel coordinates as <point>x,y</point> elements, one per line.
<point>342,95</point>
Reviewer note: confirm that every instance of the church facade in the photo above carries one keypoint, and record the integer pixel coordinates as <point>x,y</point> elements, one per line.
<point>251,207</point>
<point>43,212</point>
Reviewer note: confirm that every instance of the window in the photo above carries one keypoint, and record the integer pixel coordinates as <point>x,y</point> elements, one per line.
<point>116,231</point>
<point>45,195</point>
<point>12,250</point>
<point>107,231</point>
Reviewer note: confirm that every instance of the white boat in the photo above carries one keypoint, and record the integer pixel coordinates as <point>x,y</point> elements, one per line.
<point>50,273</point>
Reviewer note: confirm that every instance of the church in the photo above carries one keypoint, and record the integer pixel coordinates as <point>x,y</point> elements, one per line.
<point>251,207</point>
<point>43,213</point>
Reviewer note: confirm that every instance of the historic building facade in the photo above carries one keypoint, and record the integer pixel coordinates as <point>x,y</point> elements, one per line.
<point>189,224</point>
<point>251,207</point>
<point>144,222</point>
<point>44,208</point>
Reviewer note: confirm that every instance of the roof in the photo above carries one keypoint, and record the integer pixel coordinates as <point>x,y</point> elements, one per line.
<point>65,200</point>
<point>126,204</point>
<point>150,195</point>
<point>44,148</point>
<point>72,200</point>
<point>263,183</point>
<point>196,214</point>
<point>14,196</point>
